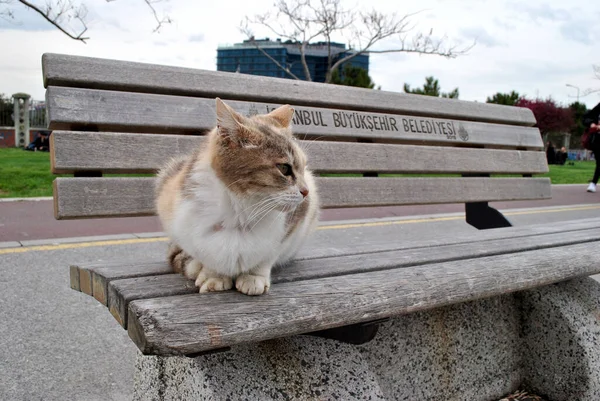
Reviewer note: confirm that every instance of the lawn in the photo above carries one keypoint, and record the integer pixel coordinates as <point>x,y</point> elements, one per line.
<point>581,173</point>
<point>27,174</point>
<point>24,174</point>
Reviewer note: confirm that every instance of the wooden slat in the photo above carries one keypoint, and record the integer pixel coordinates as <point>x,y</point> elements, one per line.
<point>122,292</point>
<point>138,112</point>
<point>74,277</point>
<point>63,70</point>
<point>364,192</point>
<point>103,197</point>
<point>189,324</point>
<point>139,153</point>
<point>104,274</point>
<point>93,279</point>
<point>347,240</point>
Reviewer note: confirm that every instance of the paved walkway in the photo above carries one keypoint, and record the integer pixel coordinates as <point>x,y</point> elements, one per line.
<point>33,220</point>
<point>58,344</point>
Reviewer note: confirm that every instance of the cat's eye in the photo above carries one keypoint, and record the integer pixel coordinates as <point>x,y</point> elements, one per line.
<point>285,168</point>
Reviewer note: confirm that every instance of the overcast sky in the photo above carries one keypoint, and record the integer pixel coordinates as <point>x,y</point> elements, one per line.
<point>533,47</point>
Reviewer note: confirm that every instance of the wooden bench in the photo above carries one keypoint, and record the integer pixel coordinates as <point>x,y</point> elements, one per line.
<point>112,117</point>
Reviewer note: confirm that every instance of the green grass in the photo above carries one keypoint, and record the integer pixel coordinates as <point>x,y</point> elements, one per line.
<point>24,174</point>
<point>27,174</point>
<point>581,173</point>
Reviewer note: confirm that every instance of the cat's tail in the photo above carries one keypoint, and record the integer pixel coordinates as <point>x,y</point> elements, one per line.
<point>181,262</point>
<point>177,258</point>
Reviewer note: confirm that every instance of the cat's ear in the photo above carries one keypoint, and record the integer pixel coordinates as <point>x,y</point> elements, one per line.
<point>230,126</point>
<point>228,120</point>
<point>283,115</point>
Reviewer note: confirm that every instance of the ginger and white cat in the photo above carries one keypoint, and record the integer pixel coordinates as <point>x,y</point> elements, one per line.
<point>239,205</point>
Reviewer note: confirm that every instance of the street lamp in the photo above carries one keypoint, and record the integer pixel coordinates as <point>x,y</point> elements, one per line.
<point>576,87</point>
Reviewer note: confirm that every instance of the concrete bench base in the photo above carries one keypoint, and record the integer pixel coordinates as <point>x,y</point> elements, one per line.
<point>546,340</point>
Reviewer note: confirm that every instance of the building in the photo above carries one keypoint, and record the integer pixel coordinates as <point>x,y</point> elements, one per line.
<point>247,59</point>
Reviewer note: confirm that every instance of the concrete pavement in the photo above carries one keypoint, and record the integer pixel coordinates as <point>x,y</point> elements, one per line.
<point>58,344</point>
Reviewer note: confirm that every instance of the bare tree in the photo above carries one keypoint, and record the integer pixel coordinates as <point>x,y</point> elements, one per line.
<point>69,16</point>
<point>589,91</point>
<point>303,21</point>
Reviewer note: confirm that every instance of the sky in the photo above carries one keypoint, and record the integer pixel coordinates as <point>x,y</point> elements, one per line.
<point>534,47</point>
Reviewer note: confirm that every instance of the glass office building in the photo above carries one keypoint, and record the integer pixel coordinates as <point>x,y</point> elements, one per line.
<point>247,59</point>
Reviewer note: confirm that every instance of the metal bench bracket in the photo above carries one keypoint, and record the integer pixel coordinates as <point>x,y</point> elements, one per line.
<point>359,333</point>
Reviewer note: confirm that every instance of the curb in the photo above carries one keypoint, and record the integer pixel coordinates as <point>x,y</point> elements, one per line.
<point>74,240</point>
<point>42,198</point>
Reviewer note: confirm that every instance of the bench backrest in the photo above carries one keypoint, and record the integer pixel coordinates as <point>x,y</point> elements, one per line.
<point>114,117</point>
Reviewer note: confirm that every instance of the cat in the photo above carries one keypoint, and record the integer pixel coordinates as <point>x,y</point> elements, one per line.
<point>240,204</point>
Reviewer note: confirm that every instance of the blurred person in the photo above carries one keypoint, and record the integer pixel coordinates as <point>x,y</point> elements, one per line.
<point>41,143</point>
<point>591,122</point>
<point>561,156</point>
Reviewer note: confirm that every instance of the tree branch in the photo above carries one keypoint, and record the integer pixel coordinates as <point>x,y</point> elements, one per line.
<point>6,13</point>
<point>589,91</point>
<point>307,20</point>
<point>65,7</point>
<point>160,21</point>
<point>285,69</point>
<point>55,11</point>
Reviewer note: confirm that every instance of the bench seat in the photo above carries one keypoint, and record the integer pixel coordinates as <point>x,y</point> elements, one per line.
<point>335,282</point>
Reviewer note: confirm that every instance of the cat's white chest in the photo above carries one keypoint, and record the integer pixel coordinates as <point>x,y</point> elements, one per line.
<point>219,235</point>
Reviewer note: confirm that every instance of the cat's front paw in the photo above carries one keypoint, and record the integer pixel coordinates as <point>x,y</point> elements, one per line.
<point>208,283</point>
<point>251,284</point>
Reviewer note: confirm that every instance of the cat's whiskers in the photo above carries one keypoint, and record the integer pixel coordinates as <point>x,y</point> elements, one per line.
<point>255,206</point>
<point>269,207</point>
<point>260,205</point>
<point>277,201</point>
<point>274,205</point>
<point>236,181</point>
<point>286,209</point>
<point>307,144</point>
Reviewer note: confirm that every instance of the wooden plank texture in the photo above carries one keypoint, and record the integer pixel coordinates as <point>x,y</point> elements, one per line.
<point>122,292</point>
<point>103,197</point>
<point>354,239</point>
<point>93,279</point>
<point>138,112</point>
<point>83,72</point>
<point>102,275</point>
<point>74,277</point>
<point>141,153</point>
<point>189,324</point>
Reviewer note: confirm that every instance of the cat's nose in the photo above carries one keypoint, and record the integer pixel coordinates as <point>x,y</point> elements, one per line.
<point>304,192</point>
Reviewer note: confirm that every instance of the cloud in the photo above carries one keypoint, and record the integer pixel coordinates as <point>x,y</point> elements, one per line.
<point>504,24</point>
<point>578,31</point>
<point>199,37</point>
<point>533,49</point>
<point>481,36</point>
<point>574,25</point>
<point>543,12</point>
